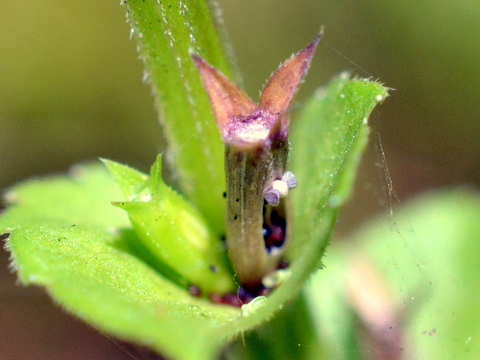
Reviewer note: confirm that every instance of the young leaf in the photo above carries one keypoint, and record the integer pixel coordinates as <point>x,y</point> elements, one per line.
<point>327,143</point>
<point>84,196</point>
<point>67,237</point>
<point>173,230</point>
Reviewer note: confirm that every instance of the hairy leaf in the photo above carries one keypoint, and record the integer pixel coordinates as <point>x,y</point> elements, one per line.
<point>167,33</point>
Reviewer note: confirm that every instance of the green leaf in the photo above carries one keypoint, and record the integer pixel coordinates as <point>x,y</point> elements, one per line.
<point>327,143</point>
<point>422,266</point>
<point>167,32</point>
<point>83,197</point>
<point>67,237</point>
<point>335,321</point>
<point>436,254</point>
<point>173,230</point>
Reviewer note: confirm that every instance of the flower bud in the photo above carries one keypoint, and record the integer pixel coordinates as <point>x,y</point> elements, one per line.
<point>256,151</point>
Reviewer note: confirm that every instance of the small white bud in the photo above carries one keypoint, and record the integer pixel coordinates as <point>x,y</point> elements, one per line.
<point>281,186</point>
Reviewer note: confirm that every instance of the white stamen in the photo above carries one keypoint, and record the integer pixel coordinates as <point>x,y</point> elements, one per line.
<point>281,186</point>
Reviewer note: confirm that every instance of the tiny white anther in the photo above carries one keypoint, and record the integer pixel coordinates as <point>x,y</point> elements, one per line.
<point>272,197</point>
<point>281,186</point>
<point>290,178</point>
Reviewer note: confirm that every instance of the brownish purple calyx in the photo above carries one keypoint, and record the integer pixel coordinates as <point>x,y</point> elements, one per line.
<point>243,123</point>
<point>256,151</point>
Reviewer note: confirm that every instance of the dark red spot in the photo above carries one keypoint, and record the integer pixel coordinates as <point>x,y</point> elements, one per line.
<point>274,231</point>
<point>242,296</point>
<point>194,291</point>
<point>228,299</point>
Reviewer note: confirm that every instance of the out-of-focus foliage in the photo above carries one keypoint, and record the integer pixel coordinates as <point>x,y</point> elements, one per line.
<point>402,288</point>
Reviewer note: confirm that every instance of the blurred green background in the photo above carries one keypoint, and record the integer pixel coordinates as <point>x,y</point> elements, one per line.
<point>71,91</point>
